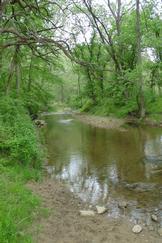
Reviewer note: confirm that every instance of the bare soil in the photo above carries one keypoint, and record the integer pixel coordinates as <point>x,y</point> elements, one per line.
<point>64,223</point>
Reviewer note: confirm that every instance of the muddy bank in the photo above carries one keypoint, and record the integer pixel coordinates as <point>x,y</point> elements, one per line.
<point>102,122</point>
<point>152,122</point>
<point>65,224</point>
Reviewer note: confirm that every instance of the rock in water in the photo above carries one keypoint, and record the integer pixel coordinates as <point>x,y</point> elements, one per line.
<point>160,231</point>
<point>137,229</point>
<point>101,209</point>
<point>40,123</point>
<point>87,212</point>
<point>154,217</point>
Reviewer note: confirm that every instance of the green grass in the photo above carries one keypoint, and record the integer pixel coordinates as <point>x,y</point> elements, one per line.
<point>18,206</point>
<point>20,161</point>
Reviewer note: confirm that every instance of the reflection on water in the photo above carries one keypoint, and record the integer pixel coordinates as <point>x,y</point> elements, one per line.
<point>100,164</point>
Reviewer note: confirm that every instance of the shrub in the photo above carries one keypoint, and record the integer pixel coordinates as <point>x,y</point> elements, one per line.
<point>18,135</point>
<point>154,105</point>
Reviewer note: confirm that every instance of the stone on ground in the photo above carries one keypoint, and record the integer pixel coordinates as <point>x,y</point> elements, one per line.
<point>160,231</point>
<point>101,209</point>
<point>154,217</point>
<point>137,229</point>
<point>122,204</point>
<point>87,212</point>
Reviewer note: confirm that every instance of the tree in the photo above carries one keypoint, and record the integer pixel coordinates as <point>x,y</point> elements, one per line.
<point>140,94</point>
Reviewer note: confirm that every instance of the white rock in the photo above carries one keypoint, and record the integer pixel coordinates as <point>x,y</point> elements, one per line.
<point>137,229</point>
<point>154,217</point>
<point>101,209</point>
<point>160,231</point>
<point>87,213</point>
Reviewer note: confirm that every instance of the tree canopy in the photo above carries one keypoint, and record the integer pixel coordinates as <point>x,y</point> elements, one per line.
<point>114,46</point>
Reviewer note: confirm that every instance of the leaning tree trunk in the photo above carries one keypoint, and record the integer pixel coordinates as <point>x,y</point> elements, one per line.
<point>79,89</point>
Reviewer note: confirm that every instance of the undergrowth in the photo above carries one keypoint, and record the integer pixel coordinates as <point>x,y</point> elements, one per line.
<point>20,161</point>
<point>18,137</point>
<point>107,107</point>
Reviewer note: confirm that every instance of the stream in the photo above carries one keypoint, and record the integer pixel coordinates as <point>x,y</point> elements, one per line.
<point>108,167</point>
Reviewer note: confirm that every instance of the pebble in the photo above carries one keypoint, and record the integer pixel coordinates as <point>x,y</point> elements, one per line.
<point>137,229</point>
<point>160,231</point>
<point>154,217</point>
<point>122,204</point>
<point>87,213</point>
<point>101,209</point>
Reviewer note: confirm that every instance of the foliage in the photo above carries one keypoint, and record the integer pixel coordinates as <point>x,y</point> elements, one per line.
<point>20,154</point>
<point>18,136</point>
<point>154,106</point>
<point>114,81</point>
<point>88,104</point>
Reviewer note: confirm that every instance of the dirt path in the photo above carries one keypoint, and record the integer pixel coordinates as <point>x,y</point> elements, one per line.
<point>65,225</point>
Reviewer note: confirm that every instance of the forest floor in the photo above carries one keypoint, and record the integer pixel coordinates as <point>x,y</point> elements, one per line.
<point>64,224</point>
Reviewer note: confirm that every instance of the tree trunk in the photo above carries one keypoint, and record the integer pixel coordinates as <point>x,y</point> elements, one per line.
<point>91,86</point>
<point>79,89</point>
<point>140,95</point>
<point>62,93</point>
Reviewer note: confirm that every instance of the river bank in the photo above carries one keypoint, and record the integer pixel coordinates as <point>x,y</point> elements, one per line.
<point>116,123</point>
<point>99,121</point>
<point>65,224</point>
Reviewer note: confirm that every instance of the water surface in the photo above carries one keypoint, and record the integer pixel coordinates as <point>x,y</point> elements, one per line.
<point>104,166</point>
